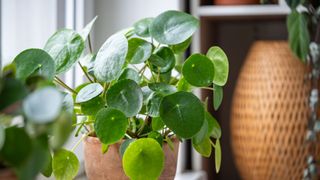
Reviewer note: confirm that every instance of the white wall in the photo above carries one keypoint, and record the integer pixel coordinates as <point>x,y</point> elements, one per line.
<point>25,25</point>
<point>114,15</point>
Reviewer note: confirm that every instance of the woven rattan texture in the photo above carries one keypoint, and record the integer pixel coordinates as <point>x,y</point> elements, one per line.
<point>270,114</point>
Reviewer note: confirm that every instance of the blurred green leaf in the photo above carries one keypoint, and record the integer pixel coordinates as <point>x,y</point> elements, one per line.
<point>217,96</point>
<point>65,47</point>
<point>65,165</point>
<point>124,145</point>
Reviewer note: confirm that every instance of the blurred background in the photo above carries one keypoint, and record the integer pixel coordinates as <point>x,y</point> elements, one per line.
<point>29,23</point>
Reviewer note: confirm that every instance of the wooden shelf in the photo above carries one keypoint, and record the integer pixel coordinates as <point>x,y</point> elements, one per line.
<point>243,10</point>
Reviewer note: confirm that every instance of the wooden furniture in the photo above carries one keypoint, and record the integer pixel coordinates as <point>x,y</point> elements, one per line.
<point>234,28</point>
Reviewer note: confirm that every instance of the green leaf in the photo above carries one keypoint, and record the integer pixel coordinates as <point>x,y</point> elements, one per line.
<point>104,148</point>
<point>218,155</point>
<point>60,130</point>
<point>221,65</point>
<point>84,33</point>
<point>65,164</point>
<point>170,143</point>
<point>92,107</point>
<point>141,27</point>
<point>17,146</point>
<point>153,104</point>
<point>2,136</point>
<point>182,47</point>
<point>146,92</point>
<point>202,134</point>
<point>203,147</point>
<point>183,113</point>
<point>157,123</point>
<point>126,96</point>
<point>34,61</point>
<point>110,125</point>
<point>68,103</point>
<point>173,27</point>
<point>129,73</point>
<point>12,92</point>
<point>43,105</point>
<point>111,58</point>
<point>163,60</point>
<point>89,92</point>
<point>183,85</point>
<point>198,70</point>
<point>139,51</point>
<point>214,129</point>
<point>217,96</point>
<point>47,169</point>
<point>156,136</point>
<point>143,155</point>
<point>294,3</point>
<point>299,38</point>
<point>65,47</point>
<point>124,145</point>
<point>162,88</point>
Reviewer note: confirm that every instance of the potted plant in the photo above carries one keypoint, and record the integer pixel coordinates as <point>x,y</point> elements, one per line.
<point>137,103</point>
<point>35,118</point>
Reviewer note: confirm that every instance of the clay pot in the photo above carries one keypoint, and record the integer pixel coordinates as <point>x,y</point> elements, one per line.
<point>108,166</point>
<point>7,174</point>
<point>270,114</point>
<point>235,2</point>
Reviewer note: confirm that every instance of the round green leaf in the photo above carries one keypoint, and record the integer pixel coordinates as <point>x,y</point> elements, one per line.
<point>221,65</point>
<point>217,96</point>
<point>143,159</point>
<point>65,47</point>
<point>203,147</point>
<point>156,136</point>
<point>163,60</point>
<point>92,106</point>
<point>141,28</point>
<point>180,48</point>
<point>162,88</point>
<point>124,146</point>
<point>89,92</point>
<point>126,96</point>
<point>214,129</point>
<point>110,125</point>
<point>65,164</point>
<point>17,146</point>
<point>34,61</point>
<point>173,27</point>
<point>154,104</point>
<point>129,73</point>
<point>202,134</point>
<point>60,130</point>
<point>198,70</point>
<point>139,51</point>
<point>43,105</point>
<point>111,58</point>
<point>183,113</point>
<point>157,123</point>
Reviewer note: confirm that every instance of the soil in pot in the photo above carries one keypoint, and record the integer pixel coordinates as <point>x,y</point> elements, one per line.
<point>108,166</point>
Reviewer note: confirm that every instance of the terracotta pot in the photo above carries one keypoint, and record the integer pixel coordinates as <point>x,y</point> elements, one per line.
<point>235,2</point>
<point>7,174</point>
<point>108,166</point>
<point>270,114</point>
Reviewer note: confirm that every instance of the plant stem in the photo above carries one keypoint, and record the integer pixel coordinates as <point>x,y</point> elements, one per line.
<point>85,73</point>
<point>145,122</point>
<point>213,145</point>
<point>208,88</point>
<point>90,45</point>
<point>143,68</point>
<point>61,83</point>
<point>132,135</point>
<point>77,144</point>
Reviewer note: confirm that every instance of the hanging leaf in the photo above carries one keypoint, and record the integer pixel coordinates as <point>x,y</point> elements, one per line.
<point>34,62</point>
<point>139,51</point>
<point>183,113</point>
<point>299,38</point>
<point>198,70</point>
<point>89,92</point>
<point>163,60</point>
<point>65,47</point>
<point>129,73</point>
<point>111,58</point>
<point>65,164</point>
<point>110,125</point>
<point>202,134</point>
<point>217,96</point>
<point>84,33</point>
<point>43,105</point>
<point>47,169</point>
<point>214,129</point>
<point>126,96</point>
<point>217,155</point>
<point>141,28</point>
<point>143,155</point>
<point>173,27</point>
<point>221,65</point>
<point>203,147</point>
<point>104,148</point>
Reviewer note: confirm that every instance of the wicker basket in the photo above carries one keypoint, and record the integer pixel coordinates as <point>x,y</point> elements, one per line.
<point>270,114</point>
